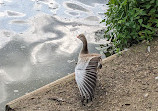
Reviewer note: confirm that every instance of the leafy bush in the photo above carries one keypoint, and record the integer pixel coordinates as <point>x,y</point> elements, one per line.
<point>130,21</point>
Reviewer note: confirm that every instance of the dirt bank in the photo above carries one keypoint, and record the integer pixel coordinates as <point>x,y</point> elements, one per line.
<point>126,83</point>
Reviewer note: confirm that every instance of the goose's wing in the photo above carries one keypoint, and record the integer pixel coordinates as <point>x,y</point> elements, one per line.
<point>86,75</point>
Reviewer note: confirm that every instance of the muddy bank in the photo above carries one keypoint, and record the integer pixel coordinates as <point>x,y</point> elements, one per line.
<point>126,83</point>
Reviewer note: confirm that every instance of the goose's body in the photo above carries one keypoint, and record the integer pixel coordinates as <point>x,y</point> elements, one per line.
<point>86,71</point>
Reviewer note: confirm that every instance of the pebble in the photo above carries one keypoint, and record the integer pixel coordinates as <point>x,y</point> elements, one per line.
<point>156,78</point>
<point>125,49</point>
<point>148,48</point>
<point>146,95</point>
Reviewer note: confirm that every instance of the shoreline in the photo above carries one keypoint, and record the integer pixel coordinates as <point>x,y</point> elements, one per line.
<point>126,82</point>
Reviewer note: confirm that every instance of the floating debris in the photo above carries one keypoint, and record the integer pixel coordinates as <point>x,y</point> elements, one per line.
<point>70,61</point>
<point>16,91</point>
<point>23,47</point>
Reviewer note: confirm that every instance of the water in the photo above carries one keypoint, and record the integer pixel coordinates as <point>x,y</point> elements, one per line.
<point>38,41</point>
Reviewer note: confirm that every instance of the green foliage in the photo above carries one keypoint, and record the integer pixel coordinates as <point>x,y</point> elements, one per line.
<point>130,21</point>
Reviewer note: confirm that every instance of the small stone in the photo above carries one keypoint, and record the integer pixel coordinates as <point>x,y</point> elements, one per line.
<point>156,78</point>
<point>148,48</point>
<point>146,95</point>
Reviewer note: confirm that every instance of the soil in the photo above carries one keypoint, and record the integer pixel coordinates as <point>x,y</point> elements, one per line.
<point>128,82</point>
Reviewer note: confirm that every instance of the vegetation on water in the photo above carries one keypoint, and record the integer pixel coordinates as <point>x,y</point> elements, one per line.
<point>130,22</point>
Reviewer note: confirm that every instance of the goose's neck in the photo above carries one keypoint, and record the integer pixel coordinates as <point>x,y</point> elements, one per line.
<point>84,48</point>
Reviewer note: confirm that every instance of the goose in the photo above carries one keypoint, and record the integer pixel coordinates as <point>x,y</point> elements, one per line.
<point>86,71</point>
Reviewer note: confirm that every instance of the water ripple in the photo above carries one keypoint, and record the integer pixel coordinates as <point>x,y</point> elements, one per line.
<point>76,7</point>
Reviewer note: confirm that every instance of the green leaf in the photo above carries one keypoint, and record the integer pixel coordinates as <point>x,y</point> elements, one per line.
<point>148,6</point>
<point>112,1</point>
<point>156,20</point>
<point>130,21</point>
<point>142,37</point>
<point>127,23</point>
<point>143,13</point>
<point>152,11</point>
<point>134,26</point>
<point>103,20</point>
<point>152,1</point>
<point>140,21</point>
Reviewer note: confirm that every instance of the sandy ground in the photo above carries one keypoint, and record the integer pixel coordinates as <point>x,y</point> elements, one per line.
<point>125,83</point>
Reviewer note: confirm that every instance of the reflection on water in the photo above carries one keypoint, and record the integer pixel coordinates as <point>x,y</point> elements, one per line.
<point>92,2</point>
<point>38,41</point>
<point>14,14</point>
<point>76,7</point>
<point>4,79</point>
<point>19,22</point>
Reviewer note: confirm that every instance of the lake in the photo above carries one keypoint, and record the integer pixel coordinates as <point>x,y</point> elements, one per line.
<point>38,43</point>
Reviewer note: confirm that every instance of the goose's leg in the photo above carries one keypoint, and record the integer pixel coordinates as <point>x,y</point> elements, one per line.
<point>87,100</point>
<point>100,66</point>
<point>100,63</point>
<point>82,101</point>
<point>90,98</point>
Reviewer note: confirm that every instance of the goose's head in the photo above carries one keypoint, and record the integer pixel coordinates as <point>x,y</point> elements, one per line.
<point>82,37</point>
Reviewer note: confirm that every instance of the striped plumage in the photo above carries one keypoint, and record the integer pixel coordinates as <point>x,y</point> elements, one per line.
<point>86,71</point>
